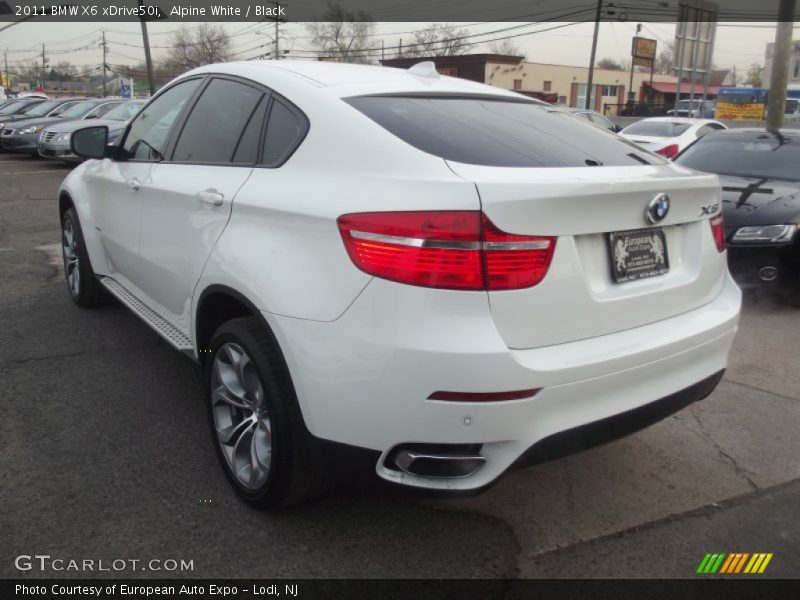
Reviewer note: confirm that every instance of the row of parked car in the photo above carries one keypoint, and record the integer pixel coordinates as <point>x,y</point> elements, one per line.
<point>760,175</point>
<point>42,127</point>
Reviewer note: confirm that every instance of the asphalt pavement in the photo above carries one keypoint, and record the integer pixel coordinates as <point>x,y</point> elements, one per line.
<point>105,454</point>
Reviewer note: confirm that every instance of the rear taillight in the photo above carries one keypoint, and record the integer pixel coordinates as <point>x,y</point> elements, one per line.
<point>718,231</point>
<point>668,151</point>
<point>461,250</point>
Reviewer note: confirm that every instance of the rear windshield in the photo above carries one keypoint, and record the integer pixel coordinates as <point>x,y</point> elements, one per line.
<point>490,132</point>
<point>665,129</point>
<point>761,156</point>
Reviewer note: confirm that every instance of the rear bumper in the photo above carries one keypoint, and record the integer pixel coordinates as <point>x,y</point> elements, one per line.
<point>364,380</point>
<point>617,426</point>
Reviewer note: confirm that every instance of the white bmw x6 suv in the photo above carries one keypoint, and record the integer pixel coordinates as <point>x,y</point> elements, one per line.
<point>438,276</point>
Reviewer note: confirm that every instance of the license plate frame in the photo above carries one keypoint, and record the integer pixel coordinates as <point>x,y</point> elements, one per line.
<point>635,254</point>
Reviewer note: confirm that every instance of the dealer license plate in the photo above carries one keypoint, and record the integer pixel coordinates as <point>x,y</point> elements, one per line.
<point>637,254</point>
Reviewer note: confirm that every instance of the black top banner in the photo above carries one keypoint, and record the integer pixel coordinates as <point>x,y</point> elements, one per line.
<point>191,11</point>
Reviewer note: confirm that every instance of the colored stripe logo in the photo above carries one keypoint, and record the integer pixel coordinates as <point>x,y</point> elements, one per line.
<point>734,563</point>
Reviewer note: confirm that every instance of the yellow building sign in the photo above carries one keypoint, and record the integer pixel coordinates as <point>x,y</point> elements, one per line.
<point>739,112</point>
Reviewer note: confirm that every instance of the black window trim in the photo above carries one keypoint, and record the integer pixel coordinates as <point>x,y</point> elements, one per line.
<point>270,96</point>
<point>305,126</point>
<point>175,133</point>
<point>170,135</point>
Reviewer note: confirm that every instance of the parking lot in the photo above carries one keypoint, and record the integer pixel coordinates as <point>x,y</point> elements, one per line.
<point>105,453</point>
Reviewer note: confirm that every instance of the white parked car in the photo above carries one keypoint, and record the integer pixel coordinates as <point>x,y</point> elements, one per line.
<point>668,136</point>
<point>438,276</point>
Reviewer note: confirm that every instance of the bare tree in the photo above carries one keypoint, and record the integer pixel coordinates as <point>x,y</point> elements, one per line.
<point>439,39</point>
<point>664,61</point>
<point>610,64</point>
<point>204,45</point>
<point>30,71</point>
<point>64,71</point>
<point>343,34</point>
<point>755,75</point>
<point>507,47</point>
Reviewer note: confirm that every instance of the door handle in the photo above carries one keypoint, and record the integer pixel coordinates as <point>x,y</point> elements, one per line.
<point>210,197</point>
<point>133,184</point>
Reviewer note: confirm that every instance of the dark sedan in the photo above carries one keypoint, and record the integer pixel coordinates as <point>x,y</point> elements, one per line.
<point>760,175</point>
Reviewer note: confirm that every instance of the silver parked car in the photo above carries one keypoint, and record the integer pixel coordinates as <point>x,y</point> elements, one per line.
<point>54,140</point>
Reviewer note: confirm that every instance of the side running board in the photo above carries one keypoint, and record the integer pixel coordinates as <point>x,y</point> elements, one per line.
<point>164,328</point>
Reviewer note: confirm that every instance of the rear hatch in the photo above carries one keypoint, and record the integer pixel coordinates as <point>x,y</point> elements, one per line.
<point>580,296</point>
<point>542,173</point>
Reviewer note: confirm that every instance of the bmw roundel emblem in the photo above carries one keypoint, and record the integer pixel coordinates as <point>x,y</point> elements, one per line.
<point>657,209</point>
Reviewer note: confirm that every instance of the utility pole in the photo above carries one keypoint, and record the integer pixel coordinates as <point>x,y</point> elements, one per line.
<point>630,84</point>
<point>8,75</point>
<point>44,66</point>
<point>779,78</point>
<point>147,58</point>
<point>587,103</point>
<point>104,63</point>
<point>277,33</point>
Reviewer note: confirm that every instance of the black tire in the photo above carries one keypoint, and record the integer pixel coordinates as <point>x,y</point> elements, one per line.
<point>292,476</point>
<point>88,292</point>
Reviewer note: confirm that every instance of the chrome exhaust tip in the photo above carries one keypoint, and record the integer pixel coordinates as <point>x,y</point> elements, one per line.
<point>437,460</point>
<point>768,273</point>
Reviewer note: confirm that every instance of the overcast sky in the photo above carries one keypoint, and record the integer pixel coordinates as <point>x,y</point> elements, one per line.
<point>737,44</point>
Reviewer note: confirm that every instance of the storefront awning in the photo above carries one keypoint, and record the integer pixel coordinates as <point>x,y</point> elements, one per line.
<point>666,87</point>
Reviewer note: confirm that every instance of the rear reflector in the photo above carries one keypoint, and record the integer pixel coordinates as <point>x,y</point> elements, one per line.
<point>718,231</point>
<point>461,250</point>
<point>668,151</point>
<point>484,396</point>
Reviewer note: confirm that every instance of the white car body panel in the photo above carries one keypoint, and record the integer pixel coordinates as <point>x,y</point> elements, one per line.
<point>365,353</point>
<point>578,284</point>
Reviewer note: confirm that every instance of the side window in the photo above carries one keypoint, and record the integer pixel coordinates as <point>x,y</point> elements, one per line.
<point>247,150</point>
<point>148,133</point>
<point>216,122</point>
<point>285,130</point>
<point>64,107</point>
<point>100,110</point>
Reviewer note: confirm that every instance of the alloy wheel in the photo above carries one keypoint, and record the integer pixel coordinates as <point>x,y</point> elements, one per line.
<point>241,417</point>
<point>71,259</point>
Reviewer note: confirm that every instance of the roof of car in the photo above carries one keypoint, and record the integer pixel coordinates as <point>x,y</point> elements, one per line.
<point>689,120</point>
<point>344,79</point>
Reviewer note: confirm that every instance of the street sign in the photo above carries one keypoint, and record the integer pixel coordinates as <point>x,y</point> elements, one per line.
<point>644,48</point>
<point>125,90</point>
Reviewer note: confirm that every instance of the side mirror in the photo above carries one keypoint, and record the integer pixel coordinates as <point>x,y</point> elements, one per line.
<point>90,142</point>
<point>617,128</point>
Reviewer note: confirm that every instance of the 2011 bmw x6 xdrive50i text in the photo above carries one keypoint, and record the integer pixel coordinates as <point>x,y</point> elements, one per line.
<point>443,275</point>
